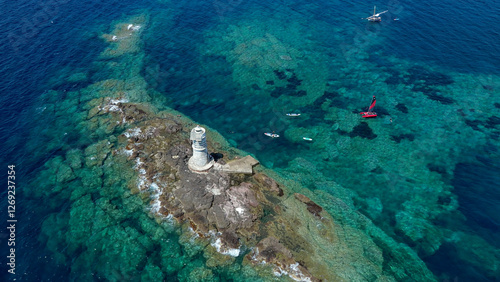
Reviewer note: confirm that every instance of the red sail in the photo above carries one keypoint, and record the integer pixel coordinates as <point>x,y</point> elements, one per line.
<point>372,104</point>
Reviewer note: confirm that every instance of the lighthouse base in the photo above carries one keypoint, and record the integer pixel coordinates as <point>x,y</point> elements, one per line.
<point>200,169</point>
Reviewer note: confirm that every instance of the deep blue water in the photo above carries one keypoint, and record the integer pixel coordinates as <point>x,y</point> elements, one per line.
<point>42,40</point>
<point>460,35</point>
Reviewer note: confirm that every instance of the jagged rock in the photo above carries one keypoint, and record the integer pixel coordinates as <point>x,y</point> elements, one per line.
<point>271,251</point>
<point>64,173</point>
<point>269,183</point>
<point>220,216</point>
<point>231,239</point>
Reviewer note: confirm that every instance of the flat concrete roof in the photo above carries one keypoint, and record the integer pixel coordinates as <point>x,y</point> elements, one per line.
<point>243,165</point>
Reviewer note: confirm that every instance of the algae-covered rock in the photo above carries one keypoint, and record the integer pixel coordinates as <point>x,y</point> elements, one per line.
<point>132,204</point>
<point>172,259</point>
<point>77,190</point>
<point>215,259</point>
<point>414,221</point>
<point>64,173</point>
<point>95,154</point>
<point>117,243</point>
<point>269,183</point>
<point>202,274</point>
<point>81,221</point>
<point>74,158</point>
<point>152,272</point>
<point>419,231</point>
<point>192,247</point>
<point>91,178</point>
<point>375,207</point>
<point>296,134</point>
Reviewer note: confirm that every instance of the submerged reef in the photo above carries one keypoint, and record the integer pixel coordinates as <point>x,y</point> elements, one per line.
<point>260,55</point>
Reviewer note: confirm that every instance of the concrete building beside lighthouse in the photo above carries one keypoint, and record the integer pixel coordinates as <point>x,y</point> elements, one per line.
<point>201,160</point>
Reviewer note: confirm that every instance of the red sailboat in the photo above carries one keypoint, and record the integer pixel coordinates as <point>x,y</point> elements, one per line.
<point>370,113</point>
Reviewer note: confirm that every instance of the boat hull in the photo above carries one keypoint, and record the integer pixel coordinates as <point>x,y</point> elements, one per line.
<point>272,135</point>
<point>368,114</point>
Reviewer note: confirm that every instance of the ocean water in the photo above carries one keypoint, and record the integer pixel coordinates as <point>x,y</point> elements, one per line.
<point>425,170</point>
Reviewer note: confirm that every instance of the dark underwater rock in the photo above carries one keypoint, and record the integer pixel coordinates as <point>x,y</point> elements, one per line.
<point>333,96</point>
<point>395,77</point>
<point>431,78</point>
<point>363,130</point>
<point>278,91</point>
<point>255,87</point>
<point>474,124</point>
<point>381,111</point>
<point>289,91</point>
<point>439,169</point>
<point>425,81</point>
<point>280,74</point>
<point>398,138</point>
<point>492,122</point>
<point>294,80</point>
<point>434,95</point>
<point>402,108</point>
<point>300,93</point>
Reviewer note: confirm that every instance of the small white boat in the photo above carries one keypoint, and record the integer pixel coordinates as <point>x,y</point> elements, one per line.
<point>272,135</point>
<point>307,138</point>
<point>293,114</point>
<point>376,16</point>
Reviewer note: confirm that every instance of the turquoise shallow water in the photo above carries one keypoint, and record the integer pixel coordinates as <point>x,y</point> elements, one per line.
<point>239,67</point>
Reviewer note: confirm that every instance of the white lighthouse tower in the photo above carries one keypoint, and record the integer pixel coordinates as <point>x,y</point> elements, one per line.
<point>201,160</point>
